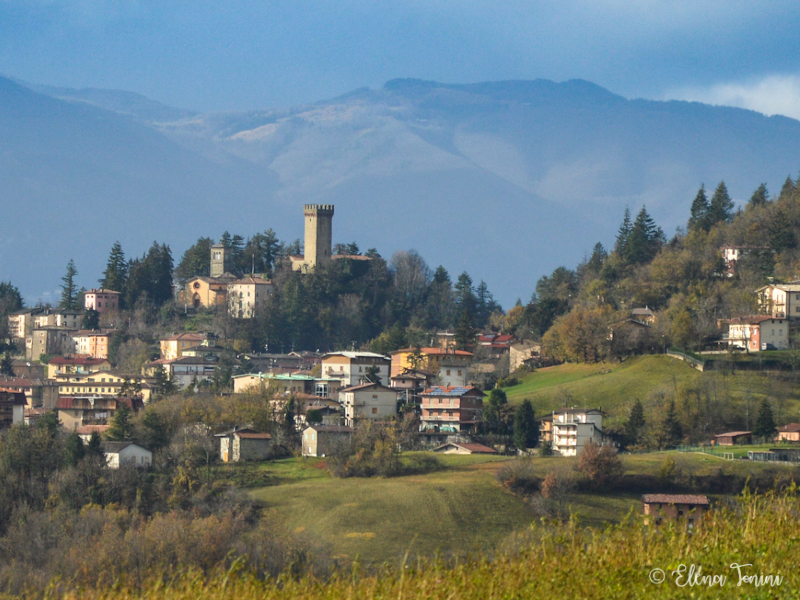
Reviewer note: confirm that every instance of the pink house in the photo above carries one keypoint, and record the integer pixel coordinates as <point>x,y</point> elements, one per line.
<point>101,300</point>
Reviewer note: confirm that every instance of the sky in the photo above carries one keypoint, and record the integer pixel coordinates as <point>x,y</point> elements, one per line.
<point>208,55</point>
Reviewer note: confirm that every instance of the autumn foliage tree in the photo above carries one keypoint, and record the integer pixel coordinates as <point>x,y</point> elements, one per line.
<point>600,465</point>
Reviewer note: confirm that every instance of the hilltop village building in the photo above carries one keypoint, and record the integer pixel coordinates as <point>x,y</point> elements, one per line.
<point>570,429</point>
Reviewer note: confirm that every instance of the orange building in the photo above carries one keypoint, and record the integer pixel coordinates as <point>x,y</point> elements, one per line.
<point>674,507</point>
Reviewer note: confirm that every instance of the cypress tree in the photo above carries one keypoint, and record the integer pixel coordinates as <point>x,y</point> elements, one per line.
<point>526,433</point>
<point>644,240</point>
<point>671,430</point>
<point>721,207</point>
<point>634,427</point>
<point>121,427</point>
<point>699,212</point>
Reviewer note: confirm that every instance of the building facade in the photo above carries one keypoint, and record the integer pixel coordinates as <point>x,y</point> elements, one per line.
<point>322,440</point>
<point>781,301</point>
<point>368,401</point>
<point>351,368</point>
<point>570,429</point>
<point>758,333</point>
<point>101,300</point>
<point>247,295</point>
<point>451,409</point>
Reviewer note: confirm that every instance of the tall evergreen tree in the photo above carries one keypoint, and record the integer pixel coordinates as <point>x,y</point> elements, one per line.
<point>465,332</point>
<point>121,427</point>
<point>69,289</point>
<point>115,277</point>
<point>720,210</point>
<point>7,366</point>
<point>765,422</point>
<point>196,261</point>
<point>788,190</point>
<point>634,427</point>
<point>644,241</point>
<point>671,432</point>
<point>624,233</point>
<point>526,432</point>
<point>759,197</point>
<point>91,319</point>
<point>485,304</point>
<point>465,294</point>
<point>441,275</point>
<point>699,213</point>
<point>596,260</point>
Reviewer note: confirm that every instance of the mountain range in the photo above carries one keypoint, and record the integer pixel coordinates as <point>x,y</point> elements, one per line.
<point>506,180</point>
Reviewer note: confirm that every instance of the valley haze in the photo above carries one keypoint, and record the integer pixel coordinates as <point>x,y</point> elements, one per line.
<point>506,180</point>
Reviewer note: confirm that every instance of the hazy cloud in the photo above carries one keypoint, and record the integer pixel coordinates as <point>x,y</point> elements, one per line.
<point>771,95</point>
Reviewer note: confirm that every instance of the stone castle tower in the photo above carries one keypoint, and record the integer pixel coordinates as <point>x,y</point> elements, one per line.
<point>319,234</point>
<point>220,261</point>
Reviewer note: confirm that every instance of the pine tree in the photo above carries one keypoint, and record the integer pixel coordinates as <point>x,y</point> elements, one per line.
<point>69,289</point>
<point>91,319</point>
<point>73,449</point>
<point>671,432</point>
<point>465,332</point>
<point>634,427</point>
<point>7,366</point>
<point>720,210</point>
<point>759,197</point>
<point>121,427</point>
<point>765,422</point>
<point>441,275</point>
<point>624,233</point>
<point>196,261</point>
<point>526,433</point>
<point>595,262</point>
<point>95,445</point>
<point>115,277</point>
<point>465,294</point>
<point>699,212</point>
<point>644,240</point>
<point>788,190</point>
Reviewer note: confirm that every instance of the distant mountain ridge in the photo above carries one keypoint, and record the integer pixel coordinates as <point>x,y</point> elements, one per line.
<point>506,180</point>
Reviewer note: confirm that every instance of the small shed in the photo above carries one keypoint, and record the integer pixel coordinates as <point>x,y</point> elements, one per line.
<point>322,440</point>
<point>126,453</point>
<point>459,448</point>
<point>733,437</point>
<point>244,444</point>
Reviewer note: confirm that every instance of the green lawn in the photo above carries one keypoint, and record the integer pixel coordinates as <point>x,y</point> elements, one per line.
<point>612,386</point>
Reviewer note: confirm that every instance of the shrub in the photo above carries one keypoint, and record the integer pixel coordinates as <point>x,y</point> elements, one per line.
<point>519,476</point>
<point>600,465</point>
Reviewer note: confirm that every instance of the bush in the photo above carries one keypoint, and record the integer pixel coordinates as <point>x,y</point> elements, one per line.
<point>519,476</point>
<point>600,465</point>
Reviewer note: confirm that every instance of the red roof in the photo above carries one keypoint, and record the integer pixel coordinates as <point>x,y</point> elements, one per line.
<point>790,427</point>
<point>675,499</point>
<point>253,436</point>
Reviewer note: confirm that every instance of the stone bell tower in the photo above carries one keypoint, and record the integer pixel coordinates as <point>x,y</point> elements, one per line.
<point>319,234</point>
<point>220,261</point>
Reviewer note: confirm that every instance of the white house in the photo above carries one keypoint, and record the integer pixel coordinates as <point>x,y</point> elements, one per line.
<point>570,429</point>
<point>351,368</point>
<point>368,401</point>
<point>126,453</point>
<point>246,295</point>
<point>781,301</point>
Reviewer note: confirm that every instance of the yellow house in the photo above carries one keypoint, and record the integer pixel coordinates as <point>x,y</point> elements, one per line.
<point>110,384</point>
<point>173,346</point>
<point>427,359</point>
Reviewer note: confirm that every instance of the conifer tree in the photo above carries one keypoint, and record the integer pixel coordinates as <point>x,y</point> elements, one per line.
<point>69,289</point>
<point>765,422</point>
<point>671,432</point>
<point>121,427</point>
<point>644,241</point>
<point>699,212</point>
<point>599,255</point>
<point>624,233</point>
<point>759,197</point>
<point>74,450</point>
<point>720,210</point>
<point>7,366</point>
<point>634,427</point>
<point>115,277</point>
<point>465,332</point>
<point>788,190</point>
<point>526,433</point>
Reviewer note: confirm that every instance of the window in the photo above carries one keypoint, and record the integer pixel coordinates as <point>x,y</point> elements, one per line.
<point>459,371</point>
<point>374,410</point>
<point>448,372</point>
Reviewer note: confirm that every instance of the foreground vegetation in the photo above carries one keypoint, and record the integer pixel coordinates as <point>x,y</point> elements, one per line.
<point>547,561</point>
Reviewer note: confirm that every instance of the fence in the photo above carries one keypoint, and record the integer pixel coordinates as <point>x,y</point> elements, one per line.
<point>695,363</point>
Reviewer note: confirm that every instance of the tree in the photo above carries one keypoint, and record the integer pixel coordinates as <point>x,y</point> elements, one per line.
<point>682,331</point>
<point>720,210</point>
<point>165,385</point>
<point>95,446</point>
<point>73,449</point>
<point>599,256</point>
<point>600,465</point>
<point>699,211</point>
<point>465,332</point>
<point>7,366</point>
<point>526,432</point>
<point>495,415</point>
<point>485,304</point>
<point>69,289</point>
<point>788,190</point>
<point>313,416</point>
<point>759,197</point>
<point>115,277</point>
<point>644,241</point>
<point>196,261</point>
<point>121,427</point>
<point>670,432</point>
<point>624,233</point>
<point>373,374</point>
<point>765,422</point>
<point>465,295</point>
<point>152,430</point>
<point>634,426</point>
<point>91,319</point>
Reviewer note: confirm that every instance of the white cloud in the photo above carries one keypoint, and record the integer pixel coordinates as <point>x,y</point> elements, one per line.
<point>772,95</point>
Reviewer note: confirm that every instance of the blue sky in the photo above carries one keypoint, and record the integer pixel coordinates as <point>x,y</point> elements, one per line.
<point>209,55</point>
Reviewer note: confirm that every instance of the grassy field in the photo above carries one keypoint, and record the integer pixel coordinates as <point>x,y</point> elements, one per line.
<point>615,386</point>
<point>456,510</point>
